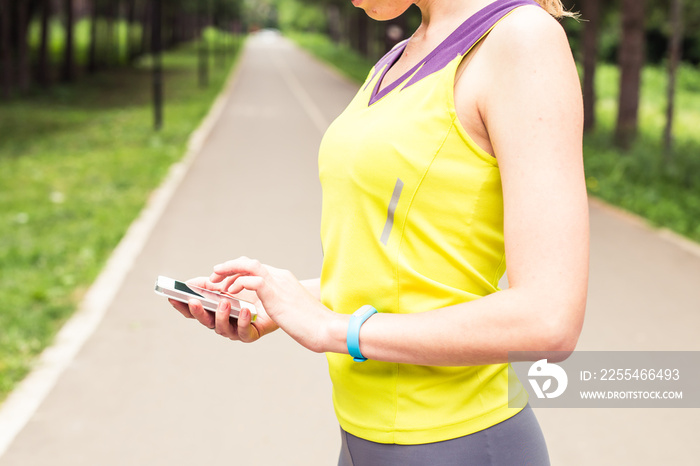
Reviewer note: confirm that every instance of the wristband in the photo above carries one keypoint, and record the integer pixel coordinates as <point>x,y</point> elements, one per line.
<point>353,337</point>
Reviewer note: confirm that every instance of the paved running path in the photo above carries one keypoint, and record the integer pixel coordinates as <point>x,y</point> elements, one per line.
<point>150,387</point>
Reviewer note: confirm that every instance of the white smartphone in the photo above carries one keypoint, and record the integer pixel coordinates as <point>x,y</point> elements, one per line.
<point>183,292</point>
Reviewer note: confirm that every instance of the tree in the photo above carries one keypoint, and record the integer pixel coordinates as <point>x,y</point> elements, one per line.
<point>23,73</point>
<point>5,48</point>
<point>333,19</point>
<point>146,25</point>
<point>674,57</point>
<point>92,50</point>
<point>590,10</point>
<point>396,30</point>
<point>631,60</point>
<point>44,70</point>
<point>68,55</point>
<point>131,51</point>
<point>157,64</point>
<point>111,46</point>
<point>203,54</point>
<point>359,32</point>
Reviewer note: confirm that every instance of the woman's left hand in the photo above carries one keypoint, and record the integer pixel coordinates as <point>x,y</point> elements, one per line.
<point>285,299</point>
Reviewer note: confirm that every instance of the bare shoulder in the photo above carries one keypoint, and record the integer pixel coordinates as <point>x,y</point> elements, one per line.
<point>532,86</point>
<point>524,65</point>
<point>526,57</point>
<point>528,33</point>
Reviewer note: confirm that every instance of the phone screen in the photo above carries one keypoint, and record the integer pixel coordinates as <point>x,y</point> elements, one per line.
<point>181,286</point>
<point>209,295</point>
<point>181,291</point>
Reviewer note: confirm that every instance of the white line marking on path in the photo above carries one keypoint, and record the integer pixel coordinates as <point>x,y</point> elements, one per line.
<point>302,96</point>
<point>26,398</point>
<point>664,233</point>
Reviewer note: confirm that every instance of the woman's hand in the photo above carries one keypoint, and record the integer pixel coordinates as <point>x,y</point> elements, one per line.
<point>287,302</point>
<point>236,329</point>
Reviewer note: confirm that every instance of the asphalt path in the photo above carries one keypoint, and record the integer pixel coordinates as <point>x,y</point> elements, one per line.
<point>150,387</point>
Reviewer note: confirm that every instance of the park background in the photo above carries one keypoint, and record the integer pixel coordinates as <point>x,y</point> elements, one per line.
<point>98,100</point>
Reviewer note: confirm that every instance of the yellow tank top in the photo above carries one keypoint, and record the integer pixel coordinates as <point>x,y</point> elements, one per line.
<point>412,221</point>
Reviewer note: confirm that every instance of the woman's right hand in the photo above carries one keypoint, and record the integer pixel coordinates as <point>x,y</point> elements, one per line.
<point>235,329</point>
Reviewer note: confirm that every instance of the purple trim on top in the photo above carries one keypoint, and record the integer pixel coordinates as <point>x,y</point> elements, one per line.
<point>457,43</point>
<point>389,59</point>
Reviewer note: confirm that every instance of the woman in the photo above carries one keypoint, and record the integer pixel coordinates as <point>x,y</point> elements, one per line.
<point>462,148</point>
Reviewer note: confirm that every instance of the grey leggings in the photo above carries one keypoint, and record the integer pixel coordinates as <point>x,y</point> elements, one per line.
<point>515,441</point>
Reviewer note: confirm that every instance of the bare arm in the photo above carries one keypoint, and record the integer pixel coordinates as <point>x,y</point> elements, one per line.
<point>313,286</point>
<point>531,110</point>
<point>533,116</point>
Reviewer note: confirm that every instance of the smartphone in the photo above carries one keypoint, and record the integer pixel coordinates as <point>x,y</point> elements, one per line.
<point>183,292</point>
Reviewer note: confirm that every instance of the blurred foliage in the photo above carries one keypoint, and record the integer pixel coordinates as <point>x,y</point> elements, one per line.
<point>105,33</point>
<point>666,193</point>
<point>296,16</point>
<point>57,39</point>
<point>347,60</point>
<point>663,187</point>
<point>658,30</point>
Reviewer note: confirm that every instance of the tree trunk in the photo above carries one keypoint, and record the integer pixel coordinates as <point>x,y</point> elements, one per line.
<point>395,31</point>
<point>111,46</point>
<point>92,50</point>
<point>5,49</point>
<point>333,17</point>
<point>68,55</point>
<point>157,65</point>
<point>146,26</point>
<point>674,57</point>
<point>631,59</point>
<point>348,32</point>
<point>220,38</point>
<point>130,21</point>
<point>23,70</point>
<point>237,29</point>
<point>352,29</point>
<point>203,46</point>
<point>44,70</point>
<point>590,10</point>
<point>174,36</point>
<point>362,33</point>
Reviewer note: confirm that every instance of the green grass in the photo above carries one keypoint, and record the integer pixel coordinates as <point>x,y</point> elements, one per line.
<point>348,61</point>
<point>77,164</point>
<point>664,188</point>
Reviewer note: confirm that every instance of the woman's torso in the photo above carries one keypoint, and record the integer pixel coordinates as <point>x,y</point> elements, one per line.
<point>413,221</point>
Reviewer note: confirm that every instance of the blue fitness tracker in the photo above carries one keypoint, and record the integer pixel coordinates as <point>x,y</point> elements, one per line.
<point>353,338</point>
